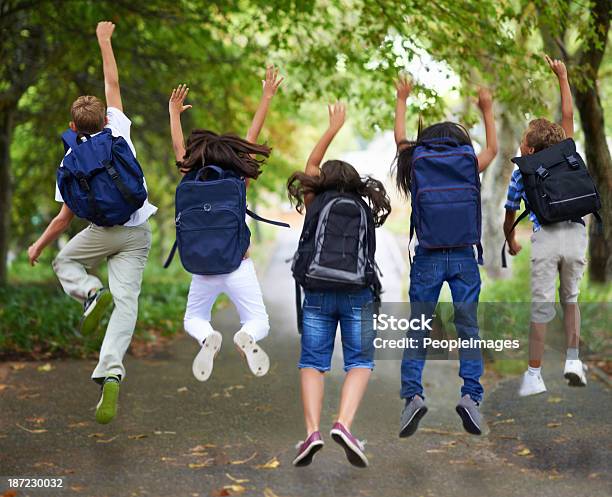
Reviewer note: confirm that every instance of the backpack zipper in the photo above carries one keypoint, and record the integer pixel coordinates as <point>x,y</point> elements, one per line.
<point>573,198</point>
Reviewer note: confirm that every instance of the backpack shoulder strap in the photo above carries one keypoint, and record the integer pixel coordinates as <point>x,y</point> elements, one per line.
<point>171,255</point>
<point>69,139</point>
<point>298,307</point>
<point>522,216</point>
<point>257,217</point>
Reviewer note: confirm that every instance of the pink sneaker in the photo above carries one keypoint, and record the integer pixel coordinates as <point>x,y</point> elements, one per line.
<point>352,447</point>
<point>307,449</point>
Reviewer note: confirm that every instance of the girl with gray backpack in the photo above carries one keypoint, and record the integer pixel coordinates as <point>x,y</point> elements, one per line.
<point>335,265</point>
<point>212,235</point>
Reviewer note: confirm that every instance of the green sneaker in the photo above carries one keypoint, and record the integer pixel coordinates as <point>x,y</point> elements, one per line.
<point>107,407</point>
<point>95,307</point>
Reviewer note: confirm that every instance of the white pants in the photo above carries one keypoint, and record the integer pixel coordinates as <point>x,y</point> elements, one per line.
<point>242,287</point>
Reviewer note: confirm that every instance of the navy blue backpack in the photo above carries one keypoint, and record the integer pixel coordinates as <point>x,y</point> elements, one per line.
<point>445,192</point>
<point>211,231</point>
<point>100,179</point>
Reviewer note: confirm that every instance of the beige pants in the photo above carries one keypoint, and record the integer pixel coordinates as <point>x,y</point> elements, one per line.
<point>125,249</point>
<point>556,249</point>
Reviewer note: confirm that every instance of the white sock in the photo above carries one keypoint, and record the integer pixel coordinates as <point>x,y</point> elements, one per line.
<point>572,354</point>
<point>534,371</point>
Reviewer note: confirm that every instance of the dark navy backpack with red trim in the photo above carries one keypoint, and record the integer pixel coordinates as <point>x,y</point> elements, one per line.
<point>445,193</point>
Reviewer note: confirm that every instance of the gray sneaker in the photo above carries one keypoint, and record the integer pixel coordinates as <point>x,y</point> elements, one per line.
<point>411,415</point>
<point>470,415</point>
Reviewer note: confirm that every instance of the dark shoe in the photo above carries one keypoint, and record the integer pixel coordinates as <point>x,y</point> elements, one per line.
<point>94,309</point>
<point>412,413</point>
<point>470,415</point>
<point>307,449</point>
<point>107,406</point>
<point>353,448</point>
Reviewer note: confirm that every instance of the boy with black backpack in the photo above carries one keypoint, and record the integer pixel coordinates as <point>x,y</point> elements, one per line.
<point>555,185</point>
<point>100,180</point>
<point>335,265</point>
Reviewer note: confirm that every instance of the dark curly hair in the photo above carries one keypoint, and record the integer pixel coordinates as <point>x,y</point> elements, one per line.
<point>341,176</point>
<point>205,148</point>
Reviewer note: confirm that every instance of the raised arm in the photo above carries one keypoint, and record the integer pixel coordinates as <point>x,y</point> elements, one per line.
<point>403,86</point>
<point>270,85</point>
<point>567,103</point>
<point>337,114</point>
<point>104,32</point>
<point>176,106</point>
<point>485,103</point>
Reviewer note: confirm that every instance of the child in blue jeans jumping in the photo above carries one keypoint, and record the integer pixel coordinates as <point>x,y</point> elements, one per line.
<point>449,212</point>
<point>335,264</point>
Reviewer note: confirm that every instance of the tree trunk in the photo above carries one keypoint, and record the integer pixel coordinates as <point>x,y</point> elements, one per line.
<point>600,166</point>
<point>493,193</point>
<point>6,129</point>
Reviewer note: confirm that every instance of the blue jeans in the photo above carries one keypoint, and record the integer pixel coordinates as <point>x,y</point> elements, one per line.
<point>430,269</point>
<point>322,313</point>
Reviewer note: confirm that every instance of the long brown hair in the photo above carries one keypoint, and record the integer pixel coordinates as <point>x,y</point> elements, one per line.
<point>341,176</point>
<point>206,148</point>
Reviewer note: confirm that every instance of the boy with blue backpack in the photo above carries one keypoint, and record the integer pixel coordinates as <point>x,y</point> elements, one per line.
<point>440,173</point>
<point>100,180</point>
<point>212,236</point>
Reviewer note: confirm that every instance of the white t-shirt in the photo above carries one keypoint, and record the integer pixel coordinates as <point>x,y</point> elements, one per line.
<point>119,124</point>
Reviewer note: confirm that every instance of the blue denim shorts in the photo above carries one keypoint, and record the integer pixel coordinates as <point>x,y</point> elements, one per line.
<point>323,311</point>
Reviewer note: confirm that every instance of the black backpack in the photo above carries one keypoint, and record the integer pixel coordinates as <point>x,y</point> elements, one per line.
<point>558,186</point>
<point>337,247</point>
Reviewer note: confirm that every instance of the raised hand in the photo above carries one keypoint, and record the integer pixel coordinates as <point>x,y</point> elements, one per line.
<point>557,66</point>
<point>403,85</point>
<point>272,82</point>
<point>104,30</point>
<point>177,98</point>
<point>485,99</point>
<point>337,115</point>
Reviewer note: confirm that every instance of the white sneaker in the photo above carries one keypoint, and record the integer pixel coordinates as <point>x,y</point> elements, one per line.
<point>575,373</point>
<point>203,362</point>
<point>532,384</point>
<point>257,360</point>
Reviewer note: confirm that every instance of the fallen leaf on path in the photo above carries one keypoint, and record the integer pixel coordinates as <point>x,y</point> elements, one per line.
<point>45,368</point>
<point>271,464</point>
<point>220,492</point>
<point>569,415</point>
<point>39,430</point>
<point>435,451</point>
<point>196,465</point>
<point>77,488</point>
<point>441,432</point>
<point>236,480</point>
<point>18,367</point>
<point>234,489</point>
<point>3,386</point>
<point>201,448</point>
<point>182,389</point>
<point>166,459</point>
<point>268,492</point>
<point>140,436</point>
<point>524,452</point>
<point>108,440</point>
<point>554,400</point>
<point>593,475</point>
<point>36,420</point>
<point>242,461</point>
<point>553,425</point>
<point>503,421</point>
<point>9,493</point>
<point>80,424</point>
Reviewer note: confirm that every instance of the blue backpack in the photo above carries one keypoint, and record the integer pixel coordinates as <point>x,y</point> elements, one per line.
<point>445,193</point>
<point>211,231</point>
<point>100,179</point>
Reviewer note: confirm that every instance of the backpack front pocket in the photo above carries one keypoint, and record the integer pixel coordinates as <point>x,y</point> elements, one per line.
<point>209,241</point>
<point>448,217</point>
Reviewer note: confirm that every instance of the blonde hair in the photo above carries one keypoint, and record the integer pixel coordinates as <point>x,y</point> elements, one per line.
<point>542,133</point>
<point>88,114</point>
